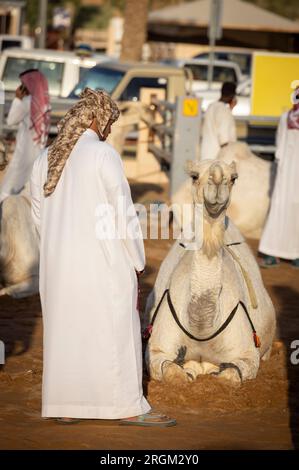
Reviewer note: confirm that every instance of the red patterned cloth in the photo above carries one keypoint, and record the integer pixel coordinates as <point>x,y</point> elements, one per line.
<point>37,85</point>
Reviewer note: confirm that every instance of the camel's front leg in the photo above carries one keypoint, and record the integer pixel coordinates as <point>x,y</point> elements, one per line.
<point>239,370</point>
<point>165,366</point>
<point>195,368</point>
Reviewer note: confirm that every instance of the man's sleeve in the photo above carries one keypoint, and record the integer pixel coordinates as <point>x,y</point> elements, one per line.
<point>226,127</point>
<point>17,112</point>
<point>119,196</point>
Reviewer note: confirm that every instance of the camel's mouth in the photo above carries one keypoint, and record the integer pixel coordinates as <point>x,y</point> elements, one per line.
<point>215,208</point>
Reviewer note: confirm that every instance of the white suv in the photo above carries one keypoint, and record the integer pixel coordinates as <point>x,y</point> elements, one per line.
<point>63,69</point>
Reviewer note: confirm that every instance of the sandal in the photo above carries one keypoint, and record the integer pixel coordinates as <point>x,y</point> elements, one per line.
<point>295,263</point>
<point>152,418</point>
<point>269,262</point>
<point>67,420</point>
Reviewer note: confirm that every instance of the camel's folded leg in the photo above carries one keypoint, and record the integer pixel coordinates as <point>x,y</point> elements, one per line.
<point>22,289</point>
<point>239,370</point>
<point>195,368</point>
<point>161,366</point>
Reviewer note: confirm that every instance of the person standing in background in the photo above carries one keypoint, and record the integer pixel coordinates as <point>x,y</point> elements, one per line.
<point>219,126</point>
<point>280,238</point>
<point>30,110</point>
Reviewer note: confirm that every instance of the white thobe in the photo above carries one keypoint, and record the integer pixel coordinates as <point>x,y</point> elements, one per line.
<point>281,233</point>
<point>88,287</point>
<point>219,128</point>
<point>26,149</point>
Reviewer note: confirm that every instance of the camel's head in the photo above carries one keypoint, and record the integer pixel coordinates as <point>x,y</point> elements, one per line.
<point>212,184</point>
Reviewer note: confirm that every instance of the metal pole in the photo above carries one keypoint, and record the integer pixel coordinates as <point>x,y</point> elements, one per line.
<point>214,33</point>
<point>42,23</point>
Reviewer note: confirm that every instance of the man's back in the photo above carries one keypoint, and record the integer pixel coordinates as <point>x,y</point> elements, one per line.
<point>218,129</point>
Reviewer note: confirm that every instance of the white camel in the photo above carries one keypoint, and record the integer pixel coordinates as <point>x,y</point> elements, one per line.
<point>250,199</point>
<point>209,301</point>
<point>19,252</point>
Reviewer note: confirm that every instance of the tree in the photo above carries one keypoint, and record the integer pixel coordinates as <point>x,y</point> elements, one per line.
<point>135,29</point>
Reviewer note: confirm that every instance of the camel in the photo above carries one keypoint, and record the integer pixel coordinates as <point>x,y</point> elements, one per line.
<point>251,197</point>
<point>209,310</point>
<point>19,252</point>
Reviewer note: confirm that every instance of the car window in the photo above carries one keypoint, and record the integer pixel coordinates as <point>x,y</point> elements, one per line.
<point>98,78</point>
<point>220,74</point>
<point>7,43</point>
<point>243,60</point>
<point>132,91</point>
<point>52,70</point>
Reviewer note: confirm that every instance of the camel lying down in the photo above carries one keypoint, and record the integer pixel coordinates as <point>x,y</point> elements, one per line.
<point>209,308</point>
<point>19,252</point>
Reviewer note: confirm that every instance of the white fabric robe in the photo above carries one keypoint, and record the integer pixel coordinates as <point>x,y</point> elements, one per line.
<point>26,149</point>
<point>88,289</point>
<point>281,233</point>
<point>219,128</point>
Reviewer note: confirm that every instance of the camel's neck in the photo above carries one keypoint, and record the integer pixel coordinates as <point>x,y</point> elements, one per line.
<point>206,278</point>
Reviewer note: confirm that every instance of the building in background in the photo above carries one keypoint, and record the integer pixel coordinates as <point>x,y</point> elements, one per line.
<point>179,30</point>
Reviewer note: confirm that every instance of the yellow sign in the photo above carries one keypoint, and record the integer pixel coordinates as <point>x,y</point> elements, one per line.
<point>190,107</point>
<point>273,78</point>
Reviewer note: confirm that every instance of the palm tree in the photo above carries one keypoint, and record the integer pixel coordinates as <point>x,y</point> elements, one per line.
<point>135,29</point>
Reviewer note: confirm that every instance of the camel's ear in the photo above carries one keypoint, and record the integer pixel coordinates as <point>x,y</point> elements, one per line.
<point>192,169</point>
<point>233,168</point>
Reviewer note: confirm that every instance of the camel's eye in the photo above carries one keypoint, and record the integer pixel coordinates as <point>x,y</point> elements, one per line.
<point>194,175</point>
<point>234,176</point>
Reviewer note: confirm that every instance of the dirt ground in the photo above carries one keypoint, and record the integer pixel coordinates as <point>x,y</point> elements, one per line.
<point>262,414</point>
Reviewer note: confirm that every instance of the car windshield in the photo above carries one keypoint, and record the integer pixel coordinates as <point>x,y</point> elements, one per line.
<point>52,70</point>
<point>220,73</point>
<point>98,78</point>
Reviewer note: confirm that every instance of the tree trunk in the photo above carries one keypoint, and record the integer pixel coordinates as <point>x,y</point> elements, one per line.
<point>135,29</point>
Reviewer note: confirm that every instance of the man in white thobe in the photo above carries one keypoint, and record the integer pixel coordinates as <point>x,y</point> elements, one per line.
<point>219,128</point>
<point>280,238</point>
<point>88,282</point>
<point>30,111</point>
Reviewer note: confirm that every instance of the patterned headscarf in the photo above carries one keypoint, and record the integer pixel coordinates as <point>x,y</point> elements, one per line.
<point>91,105</point>
<point>37,85</point>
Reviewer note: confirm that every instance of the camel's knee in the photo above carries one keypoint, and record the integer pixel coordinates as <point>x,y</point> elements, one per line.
<point>173,373</point>
<point>239,370</point>
<point>195,368</point>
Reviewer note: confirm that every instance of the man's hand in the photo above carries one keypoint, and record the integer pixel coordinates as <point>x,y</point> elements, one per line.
<point>21,92</point>
<point>139,273</point>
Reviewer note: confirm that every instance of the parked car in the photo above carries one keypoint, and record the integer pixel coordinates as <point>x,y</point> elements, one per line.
<point>125,80</point>
<point>241,57</point>
<point>9,40</point>
<point>223,71</point>
<point>62,69</point>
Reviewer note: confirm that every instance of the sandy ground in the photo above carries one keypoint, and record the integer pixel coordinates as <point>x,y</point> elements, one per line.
<point>262,414</point>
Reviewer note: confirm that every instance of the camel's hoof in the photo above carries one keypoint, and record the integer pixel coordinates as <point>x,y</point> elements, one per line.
<point>230,375</point>
<point>174,373</point>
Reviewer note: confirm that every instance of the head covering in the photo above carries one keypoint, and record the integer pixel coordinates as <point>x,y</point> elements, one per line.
<point>37,85</point>
<point>92,105</point>
<point>293,114</point>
